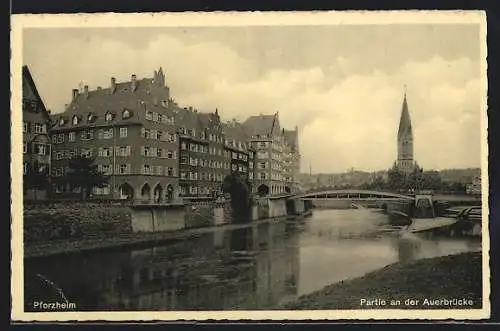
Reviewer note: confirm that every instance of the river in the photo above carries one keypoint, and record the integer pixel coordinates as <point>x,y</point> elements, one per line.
<point>261,266</point>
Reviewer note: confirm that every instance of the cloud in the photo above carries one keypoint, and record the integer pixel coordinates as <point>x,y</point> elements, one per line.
<point>346,118</point>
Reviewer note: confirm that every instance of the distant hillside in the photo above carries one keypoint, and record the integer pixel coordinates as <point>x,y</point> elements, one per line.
<point>460,175</point>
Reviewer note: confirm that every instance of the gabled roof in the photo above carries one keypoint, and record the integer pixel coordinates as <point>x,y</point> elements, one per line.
<point>404,122</point>
<point>259,125</point>
<point>235,131</point>
<point>30,91</point>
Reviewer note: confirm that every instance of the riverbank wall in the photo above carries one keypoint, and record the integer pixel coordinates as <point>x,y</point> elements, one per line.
<point>77,224</point>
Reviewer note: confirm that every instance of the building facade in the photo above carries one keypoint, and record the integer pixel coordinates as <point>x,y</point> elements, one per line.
<point>203,163</point>
<point>155,151</point>
<point>405,160</point>
<point>130,129</point>
<point>277,158</point>
<point>36,141</point>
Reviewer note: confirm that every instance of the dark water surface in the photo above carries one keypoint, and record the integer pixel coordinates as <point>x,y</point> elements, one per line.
<point>259,267</point>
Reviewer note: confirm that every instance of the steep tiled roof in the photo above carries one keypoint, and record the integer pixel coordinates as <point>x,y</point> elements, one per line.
<point>30,92</point>
<point>235,131</point>
<point>404,122</point>
<point>259,125</point>
<point>148,94</point>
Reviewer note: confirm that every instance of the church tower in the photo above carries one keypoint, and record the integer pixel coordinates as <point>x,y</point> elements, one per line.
<point>405,160</point>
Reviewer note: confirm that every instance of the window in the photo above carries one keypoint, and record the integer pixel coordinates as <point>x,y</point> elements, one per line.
<point>25,127</point>
<point>155,117</point>
<point>192,132</point>
<point>124,169</point>
<point>25,148</point>
<point>86,152</point>
<point>160,152</point>
<point>123,132</point>
<point>123,150</point>
<point>25,168</point>
<point>105,190</point>
<point>147,169</point>
<point>149,115</point>
<point>62,121</point>
<point>263,144</point>
<point>183,145</point>
<point>41,149</point>
<point>87,135</point>
<point>108,133</point>
<point>71,136</point>
<point>90,117</point>
<point>262,175</point>
<point>159,170</point>
<point>75,120</point>
<point>40,128</point>
<point>105,151</point>
<point>126,114</point>
<point>58,139</point>
<point>58,155</point>
<point>109,116</point>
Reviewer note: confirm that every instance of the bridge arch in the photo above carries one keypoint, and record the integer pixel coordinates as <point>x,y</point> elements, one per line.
<point>353,194</point>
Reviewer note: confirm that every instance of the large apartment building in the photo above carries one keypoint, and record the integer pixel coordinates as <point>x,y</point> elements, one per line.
<point>156,151</point>
<point>36,141</point>
<point>131,130</point>
<point>203,163</point>
<point>277,157</point>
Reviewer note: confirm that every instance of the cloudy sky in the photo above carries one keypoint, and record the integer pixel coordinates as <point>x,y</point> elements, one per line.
<point>341,85</point>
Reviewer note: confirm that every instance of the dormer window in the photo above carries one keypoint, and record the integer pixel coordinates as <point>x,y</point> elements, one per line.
<point>126,114</point>
<point>62,121</point>
<point>109,116</point>
<point>91,117</point>
<point>182,130</point>
<point>75,120</point>
<point>192,132</point>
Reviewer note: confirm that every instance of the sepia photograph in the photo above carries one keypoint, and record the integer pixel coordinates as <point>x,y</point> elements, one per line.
<point>301,165</point>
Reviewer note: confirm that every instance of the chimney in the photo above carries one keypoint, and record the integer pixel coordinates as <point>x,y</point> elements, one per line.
<point>113,85</point>
<point>134,82</point>
<point>190,108</point>
<point>75,93</point>
<point>86,91</point>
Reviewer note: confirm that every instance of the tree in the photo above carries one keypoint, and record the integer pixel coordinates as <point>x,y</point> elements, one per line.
<point>83,174</point>
<point>413,180</point>
<point>396,179</point>
<point>431,180</point>
<point>240,191</point>
<point>35,179</point>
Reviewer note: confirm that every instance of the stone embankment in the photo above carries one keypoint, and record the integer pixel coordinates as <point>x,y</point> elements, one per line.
<point>72,227</point>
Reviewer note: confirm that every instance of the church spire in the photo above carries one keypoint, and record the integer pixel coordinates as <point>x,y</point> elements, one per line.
<point>404,122</point>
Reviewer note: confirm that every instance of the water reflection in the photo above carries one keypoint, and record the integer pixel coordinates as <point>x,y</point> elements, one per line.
<point>258,267</point>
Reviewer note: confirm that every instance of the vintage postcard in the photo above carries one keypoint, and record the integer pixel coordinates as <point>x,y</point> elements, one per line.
<point>257,166</point>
